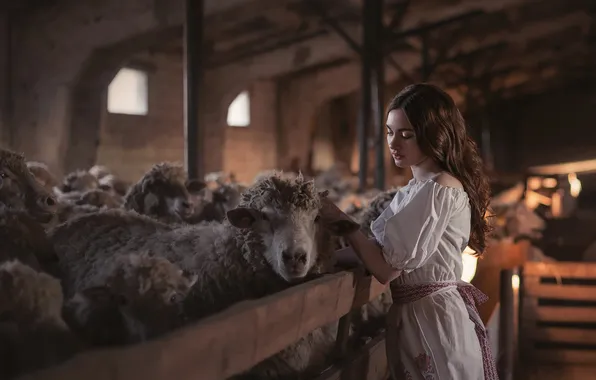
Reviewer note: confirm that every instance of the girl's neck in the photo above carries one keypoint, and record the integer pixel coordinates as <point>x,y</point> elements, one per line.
<point>424,170</point>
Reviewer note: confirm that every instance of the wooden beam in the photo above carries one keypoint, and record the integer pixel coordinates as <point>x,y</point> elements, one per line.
<point>562,269</point>
<point>229,342</point>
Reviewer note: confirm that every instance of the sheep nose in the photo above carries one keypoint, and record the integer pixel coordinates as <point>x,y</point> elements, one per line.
<point>186,204</point>
<point>296,256</point>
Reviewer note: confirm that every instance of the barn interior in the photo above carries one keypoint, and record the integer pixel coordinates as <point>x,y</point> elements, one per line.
<point>233,89</point>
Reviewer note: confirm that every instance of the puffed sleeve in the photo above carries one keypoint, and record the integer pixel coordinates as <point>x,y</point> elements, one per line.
<point>410,236</point>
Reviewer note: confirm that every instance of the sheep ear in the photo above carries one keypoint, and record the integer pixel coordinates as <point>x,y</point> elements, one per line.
<point>242,217</point>
<point>342,227</point>
<point>195,185</point>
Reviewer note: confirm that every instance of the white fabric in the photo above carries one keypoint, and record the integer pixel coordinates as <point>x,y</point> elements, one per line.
<point>423,233</point>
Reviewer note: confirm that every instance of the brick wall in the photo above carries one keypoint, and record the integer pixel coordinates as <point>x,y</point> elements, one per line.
<point>251,149</point>
<point>131,144</point>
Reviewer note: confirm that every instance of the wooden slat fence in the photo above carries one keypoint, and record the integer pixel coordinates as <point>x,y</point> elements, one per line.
<point>234,340</point>
<point>558,313</point>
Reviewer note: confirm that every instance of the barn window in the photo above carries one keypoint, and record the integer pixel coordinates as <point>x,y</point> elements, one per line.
<point>239,111</point>
<point>127,93</point>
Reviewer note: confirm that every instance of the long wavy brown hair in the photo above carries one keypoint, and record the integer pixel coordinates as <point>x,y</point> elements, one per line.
<point>441,135</point>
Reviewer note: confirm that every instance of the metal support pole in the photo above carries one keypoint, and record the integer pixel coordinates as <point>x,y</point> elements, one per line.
<point>377,49</point>
<point>366,97</point>
<point>193,75</point>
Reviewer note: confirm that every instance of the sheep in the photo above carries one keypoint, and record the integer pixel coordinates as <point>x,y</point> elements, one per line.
<point>68,210</point>
<point>80,181</point>
<point>33,334</point>
<point>141,297</point>
<point>99,198</point>
<point>99,171</point>
<point>23,238</point>
<point>163,193</point>
<point>114,185</point>
<point>42,173</point>
<point>266,244</point>
<point>374,209</point>
<point>21,191</point>
<point>213,204</point>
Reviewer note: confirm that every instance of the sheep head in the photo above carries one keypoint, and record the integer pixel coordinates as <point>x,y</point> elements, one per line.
<point>21,191</point>
<point>42,174</point>
<point>284,213</point>
<point>79,180</point>
<point>153,289</point>
<point>163,192</point>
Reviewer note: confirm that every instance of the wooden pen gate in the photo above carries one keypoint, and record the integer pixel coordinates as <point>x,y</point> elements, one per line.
<point>239,337</point>
<point>557,330</point>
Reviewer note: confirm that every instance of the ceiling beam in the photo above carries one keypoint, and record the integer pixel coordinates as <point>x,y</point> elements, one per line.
<point>324,48</point>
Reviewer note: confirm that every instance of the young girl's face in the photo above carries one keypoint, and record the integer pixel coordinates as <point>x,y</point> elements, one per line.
<point>402,140</point>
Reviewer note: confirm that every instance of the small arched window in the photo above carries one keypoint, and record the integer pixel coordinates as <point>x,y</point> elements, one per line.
<point>128,92</point>
<point>239,111</point>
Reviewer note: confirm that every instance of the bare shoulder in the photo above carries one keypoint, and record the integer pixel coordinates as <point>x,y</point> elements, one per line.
<point>446,179</point>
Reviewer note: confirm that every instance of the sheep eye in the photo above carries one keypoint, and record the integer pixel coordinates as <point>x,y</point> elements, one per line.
<point>317,218</point>
<point>174,298</point>
<point>265,217</point>
<point>3,175</point>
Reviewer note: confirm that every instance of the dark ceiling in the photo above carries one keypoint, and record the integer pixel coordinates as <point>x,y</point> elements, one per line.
<point>502,47</point>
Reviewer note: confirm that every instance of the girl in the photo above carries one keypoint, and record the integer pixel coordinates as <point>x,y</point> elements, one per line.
<point>434,331</point>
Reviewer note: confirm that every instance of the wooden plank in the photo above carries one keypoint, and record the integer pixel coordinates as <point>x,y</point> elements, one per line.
<point>561,314</point>
<point>549,371</point>
<point>562,269</point>
<point>565,292</point>
<point>565,356</point>
<point>227,343</point>
<point>563,335</point>
<point>369,363</point>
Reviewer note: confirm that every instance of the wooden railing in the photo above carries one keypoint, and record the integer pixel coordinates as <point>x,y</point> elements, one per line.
<point>558,313</point>
<point>236,339</point>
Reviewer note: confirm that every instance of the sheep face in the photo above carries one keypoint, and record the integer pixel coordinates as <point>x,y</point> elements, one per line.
<point>153,290</point>
<point>79,181</point>
<point>20,190</point>
<point>176,196</point>
<point>284,213</point>
<point>164,191</point>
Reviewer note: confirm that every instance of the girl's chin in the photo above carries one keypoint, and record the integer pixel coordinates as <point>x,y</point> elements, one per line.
<point>400,163</point>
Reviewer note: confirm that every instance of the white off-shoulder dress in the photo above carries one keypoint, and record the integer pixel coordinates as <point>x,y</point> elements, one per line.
<point>423,233</point>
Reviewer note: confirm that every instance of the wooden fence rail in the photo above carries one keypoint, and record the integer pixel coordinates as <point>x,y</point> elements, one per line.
<point>229,342</point>
<point>558,313</point>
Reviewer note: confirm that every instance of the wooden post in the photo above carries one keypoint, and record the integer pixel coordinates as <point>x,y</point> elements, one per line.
<point>193,77</point>
<point>506,327</point>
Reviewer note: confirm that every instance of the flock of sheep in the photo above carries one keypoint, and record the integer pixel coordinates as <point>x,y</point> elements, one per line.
<point>91,261</point>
